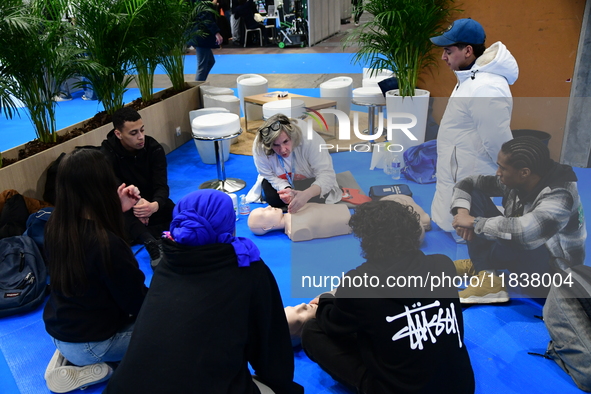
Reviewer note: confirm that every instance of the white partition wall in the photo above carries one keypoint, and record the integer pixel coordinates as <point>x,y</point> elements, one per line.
<point>346,9</point>
<point>324,19</point>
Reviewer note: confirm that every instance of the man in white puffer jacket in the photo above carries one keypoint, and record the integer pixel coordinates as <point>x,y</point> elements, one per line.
<point>477,119</point>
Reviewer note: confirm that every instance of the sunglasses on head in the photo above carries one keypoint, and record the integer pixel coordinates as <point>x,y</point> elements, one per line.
<point>273,126</point>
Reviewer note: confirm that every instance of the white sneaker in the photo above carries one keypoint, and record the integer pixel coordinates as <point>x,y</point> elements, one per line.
<point>62,377</point>
<point>61,97</point>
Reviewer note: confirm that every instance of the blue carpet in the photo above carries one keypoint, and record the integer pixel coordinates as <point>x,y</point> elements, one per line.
<point>497,337</point>
<point>285,63</point>
<point>19,130</point>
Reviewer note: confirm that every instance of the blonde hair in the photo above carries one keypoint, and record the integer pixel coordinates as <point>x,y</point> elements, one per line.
<point>263,144</point>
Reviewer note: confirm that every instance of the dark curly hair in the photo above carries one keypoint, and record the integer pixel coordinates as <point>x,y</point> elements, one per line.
<point>386,228</point>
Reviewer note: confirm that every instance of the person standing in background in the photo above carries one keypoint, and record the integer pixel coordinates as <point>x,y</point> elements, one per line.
<point>204,44</point>
<point>357,10</point>
<point>477,118</point>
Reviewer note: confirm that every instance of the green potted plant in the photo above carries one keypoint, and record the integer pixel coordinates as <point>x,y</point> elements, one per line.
<point>106,30</point>
<point>11,19</point>
<point>397,39</point>
<point>180,26</point>
<point>37,56</point>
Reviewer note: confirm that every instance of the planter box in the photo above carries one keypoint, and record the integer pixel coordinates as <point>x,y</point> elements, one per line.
<point>162,119</point>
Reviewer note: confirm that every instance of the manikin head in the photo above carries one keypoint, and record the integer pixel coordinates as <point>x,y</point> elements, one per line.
<point>263,220</point>
<point>129,128</point>
<point>297,316</point>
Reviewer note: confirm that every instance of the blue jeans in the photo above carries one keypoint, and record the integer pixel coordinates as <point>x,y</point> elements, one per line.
<point>205,62</point>
<point>501,254</point>
<point>86,353</point>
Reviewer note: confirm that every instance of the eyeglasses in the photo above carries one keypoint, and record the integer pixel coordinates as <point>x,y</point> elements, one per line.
<point>273,127</point>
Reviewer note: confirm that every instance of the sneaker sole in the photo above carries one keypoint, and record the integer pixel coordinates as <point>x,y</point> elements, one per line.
<point>493,298</point>
<point>68,378</point>
<point>56,361</point>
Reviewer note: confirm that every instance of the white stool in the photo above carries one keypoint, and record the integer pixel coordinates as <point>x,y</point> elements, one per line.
<point>213,91</point>
<point>372,73</point>
<point>218,127</point>
<point>338,89</point>
<point>230,102</point>
<point>206,149</point>
<point>371,98</point>
<point>292,108</point>
<point>249,85</point>
<point>371,80</point>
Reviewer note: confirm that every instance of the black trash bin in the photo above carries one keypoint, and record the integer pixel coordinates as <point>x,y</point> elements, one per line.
<point>542,135</point>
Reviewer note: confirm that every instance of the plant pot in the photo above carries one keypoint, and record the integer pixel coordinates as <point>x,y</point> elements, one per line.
<point>162,119</point>
<point>417,105</point>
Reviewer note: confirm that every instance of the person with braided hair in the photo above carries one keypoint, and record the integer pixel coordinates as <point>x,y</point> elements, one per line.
<point>542,229</point>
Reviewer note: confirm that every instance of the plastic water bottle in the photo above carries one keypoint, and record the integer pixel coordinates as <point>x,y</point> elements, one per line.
<point>235,203</point>
<point>396,164</point>
<point>244,206</point>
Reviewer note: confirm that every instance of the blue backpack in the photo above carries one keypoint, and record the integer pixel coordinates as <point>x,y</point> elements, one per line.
<point>23,275</point>
<point>421,162</point>
<point>36,227</point>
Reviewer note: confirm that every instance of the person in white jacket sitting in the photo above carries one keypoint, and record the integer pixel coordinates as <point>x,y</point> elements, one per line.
<point>294,169</point>
<point>477,119</point>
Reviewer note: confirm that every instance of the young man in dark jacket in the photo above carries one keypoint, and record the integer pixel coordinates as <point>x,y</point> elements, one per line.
<point>541,230</point>
<point>139,160</point>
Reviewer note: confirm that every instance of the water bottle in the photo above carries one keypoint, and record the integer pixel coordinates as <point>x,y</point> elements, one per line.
<point>235,203</point>
<point>244,206</point>
<point>396,164</point>
<point>388,167</point>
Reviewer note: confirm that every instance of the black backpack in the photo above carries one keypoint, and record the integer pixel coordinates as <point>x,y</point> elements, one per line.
<point>23,275</point>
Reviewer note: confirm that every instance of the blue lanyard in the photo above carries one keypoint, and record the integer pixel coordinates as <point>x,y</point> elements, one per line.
<point>290,178</point>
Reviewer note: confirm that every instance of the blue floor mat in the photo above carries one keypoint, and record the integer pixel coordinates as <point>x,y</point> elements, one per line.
<point>285,63</point>
<point>497,337</point>
<point>19,130</point>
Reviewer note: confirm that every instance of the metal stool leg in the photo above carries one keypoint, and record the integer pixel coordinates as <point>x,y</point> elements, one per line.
<point>228,185</point>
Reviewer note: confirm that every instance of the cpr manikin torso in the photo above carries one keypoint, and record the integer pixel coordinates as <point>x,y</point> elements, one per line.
<point>310,222</point>
<point>407,200</point>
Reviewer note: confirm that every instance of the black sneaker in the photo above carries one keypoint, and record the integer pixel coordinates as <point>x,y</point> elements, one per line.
<point>154,248</point>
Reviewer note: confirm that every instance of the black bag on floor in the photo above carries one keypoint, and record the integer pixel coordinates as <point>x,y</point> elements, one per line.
<point>567,315</point>
<point>23,275</point>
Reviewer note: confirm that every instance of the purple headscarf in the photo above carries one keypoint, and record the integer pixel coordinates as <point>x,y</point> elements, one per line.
<point>207,216</point>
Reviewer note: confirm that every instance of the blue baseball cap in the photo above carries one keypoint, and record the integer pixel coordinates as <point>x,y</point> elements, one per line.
<point>466,31</point>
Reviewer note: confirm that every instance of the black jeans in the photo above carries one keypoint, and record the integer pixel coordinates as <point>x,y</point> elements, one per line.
<point>272,197</point>
<point>338,356</point>
<point>500,254</point>
<point>357,10</point>
<point>159,222</point>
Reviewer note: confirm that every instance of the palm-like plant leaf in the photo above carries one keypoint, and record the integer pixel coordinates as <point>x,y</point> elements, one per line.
<point>38,55</point>
<point>181,27</point>
<point>105,31</point>
<point>397,38</point>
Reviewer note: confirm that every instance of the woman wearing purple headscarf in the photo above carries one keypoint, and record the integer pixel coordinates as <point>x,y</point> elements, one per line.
<point>213,307</point>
